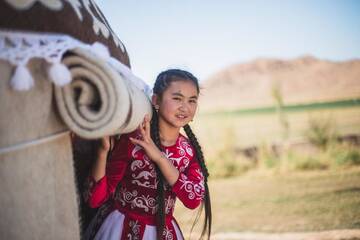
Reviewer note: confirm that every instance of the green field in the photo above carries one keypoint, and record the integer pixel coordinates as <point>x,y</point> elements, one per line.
<point>218,131</point>
<point>270,202</point>
<point>292,108</point>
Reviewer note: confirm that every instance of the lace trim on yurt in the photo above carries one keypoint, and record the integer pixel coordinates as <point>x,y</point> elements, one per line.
<point>19,48</point>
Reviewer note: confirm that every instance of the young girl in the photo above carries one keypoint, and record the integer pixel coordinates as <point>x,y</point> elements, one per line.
<point>137,181</point>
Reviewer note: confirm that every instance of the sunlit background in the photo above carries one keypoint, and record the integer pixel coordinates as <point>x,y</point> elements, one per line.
<point>279,116</point>
<point>207,36</point>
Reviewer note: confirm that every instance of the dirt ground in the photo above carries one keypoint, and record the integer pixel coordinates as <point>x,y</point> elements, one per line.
<point>326,235</point>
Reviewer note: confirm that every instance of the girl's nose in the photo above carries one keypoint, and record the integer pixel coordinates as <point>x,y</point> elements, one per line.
<point>183,106</point>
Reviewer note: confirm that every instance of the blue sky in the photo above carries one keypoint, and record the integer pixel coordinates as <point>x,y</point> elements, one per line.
<point>206,36</point>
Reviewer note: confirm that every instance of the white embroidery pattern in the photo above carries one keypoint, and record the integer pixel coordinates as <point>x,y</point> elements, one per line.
<point>136,149</point>
<point>183,148</point>
<point>146,175</point>
<point>99,27</point>
<point>51,4</point>
<point>167,233</point>
<point>102,27</point>
<point>145,202</point>
<point>76,5</point>
<point>185,144</point>
<point>169,204</point>
<point>26,4</point>
<point>195,190</point>
<point>135,230</point>
<point>138,164</point>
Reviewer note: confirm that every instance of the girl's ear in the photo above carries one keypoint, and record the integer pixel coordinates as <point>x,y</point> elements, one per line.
<point>155,100</point>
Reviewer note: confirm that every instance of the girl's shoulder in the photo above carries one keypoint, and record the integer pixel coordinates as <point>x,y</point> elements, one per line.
<point>182,139</point>
<point>183,146</point>
<point>182,153</point>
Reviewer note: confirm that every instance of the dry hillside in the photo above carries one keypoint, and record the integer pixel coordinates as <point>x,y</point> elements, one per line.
<point>301,80</point>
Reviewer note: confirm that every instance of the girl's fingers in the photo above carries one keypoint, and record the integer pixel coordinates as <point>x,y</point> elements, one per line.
<point>108,142</point>
<point>142,131</point>
<point>136,141</point>
<point>105,142</point>
<point>147,125</point>
<point>144,128</point>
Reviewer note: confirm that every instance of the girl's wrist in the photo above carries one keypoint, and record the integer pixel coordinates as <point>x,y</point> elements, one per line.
<point>102,153</point>
<point>161,159</point>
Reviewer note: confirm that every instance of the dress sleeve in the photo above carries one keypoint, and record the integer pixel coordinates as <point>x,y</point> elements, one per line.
<point>189,187</point>
<point>96,193</point>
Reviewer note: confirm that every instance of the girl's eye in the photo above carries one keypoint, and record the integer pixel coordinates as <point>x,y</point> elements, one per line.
<point>177,99</point>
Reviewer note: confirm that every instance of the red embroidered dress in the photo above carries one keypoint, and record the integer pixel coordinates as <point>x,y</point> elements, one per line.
<point>130,186</point>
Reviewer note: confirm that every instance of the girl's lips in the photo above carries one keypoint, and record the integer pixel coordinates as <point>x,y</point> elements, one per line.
<point>181,116</point>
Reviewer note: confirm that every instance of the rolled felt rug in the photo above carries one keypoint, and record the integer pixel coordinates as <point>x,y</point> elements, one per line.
<point>139,106</point>
<point>99,101</point>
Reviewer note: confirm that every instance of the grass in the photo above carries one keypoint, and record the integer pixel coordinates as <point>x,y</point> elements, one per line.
<point>292,108</point>
<point>312,189</point>
<point>223,135</point>
<point>275,202</point>
<point>253,129</point>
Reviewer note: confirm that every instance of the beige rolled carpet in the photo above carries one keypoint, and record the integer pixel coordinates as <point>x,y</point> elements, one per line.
<point>100,100</point>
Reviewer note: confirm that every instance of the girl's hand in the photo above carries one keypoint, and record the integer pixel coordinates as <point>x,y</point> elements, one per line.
<point>105,145</point>
<point>146,142</point>
<point>99,168</point>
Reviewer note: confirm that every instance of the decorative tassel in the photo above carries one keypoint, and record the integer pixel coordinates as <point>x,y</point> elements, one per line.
<point>59,74</point>
<point>101,50</point>
<point>21,79</point>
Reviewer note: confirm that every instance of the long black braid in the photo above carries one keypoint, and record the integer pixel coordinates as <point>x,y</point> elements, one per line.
<point>200,157</point>
<point>160,217</point>
<point>162,82</point>
<point>199,153</point>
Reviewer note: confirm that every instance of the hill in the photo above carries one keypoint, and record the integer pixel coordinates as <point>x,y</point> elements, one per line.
<point>301,80</point>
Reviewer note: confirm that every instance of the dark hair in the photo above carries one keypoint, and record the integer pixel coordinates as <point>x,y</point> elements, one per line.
<point>162,82</point>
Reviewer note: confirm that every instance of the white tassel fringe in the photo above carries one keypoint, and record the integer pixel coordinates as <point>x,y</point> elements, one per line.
<point>21,79</point>
<point>101,50</point>
<point>59,74</point>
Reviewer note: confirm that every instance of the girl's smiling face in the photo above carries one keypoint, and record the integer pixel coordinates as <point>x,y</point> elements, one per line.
<point>177,104</point>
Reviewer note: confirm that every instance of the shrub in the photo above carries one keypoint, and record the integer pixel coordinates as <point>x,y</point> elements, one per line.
<point>344,155</point>
<point>321,132</point>
<point>304,162</point>
<point>267,157</point>
<point>310,163</point>
<point>227,163</point>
